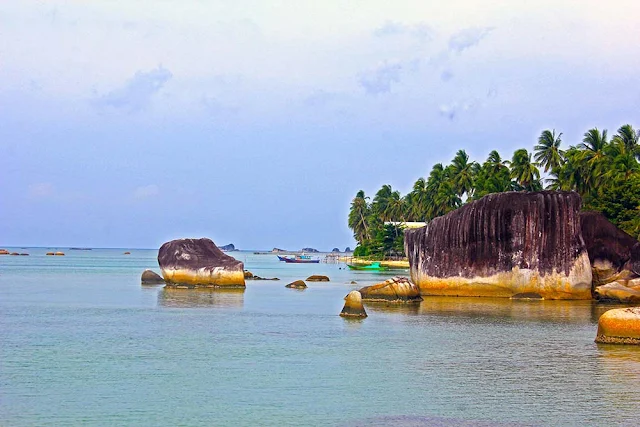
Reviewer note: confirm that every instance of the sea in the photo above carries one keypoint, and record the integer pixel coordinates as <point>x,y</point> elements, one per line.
<point>83,343</point>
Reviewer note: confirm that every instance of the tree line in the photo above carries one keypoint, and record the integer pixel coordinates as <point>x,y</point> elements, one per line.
<point>604,171</point>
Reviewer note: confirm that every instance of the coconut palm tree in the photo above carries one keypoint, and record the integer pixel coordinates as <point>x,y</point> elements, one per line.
<point>593,152</point>
<point>462,173</point>
<point>548,152</point>
<point>630,138</point>
<point>358,214</point>
<point>525,171</point>
<point>380,205</point>
<point>417,200</point>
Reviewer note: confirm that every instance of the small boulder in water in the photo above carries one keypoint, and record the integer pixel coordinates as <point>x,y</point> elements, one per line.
<point>619,326</point>
<point>151,278</point>
<point>397,289</point>
<point>353,305</point>
<point>298,284</point>
<point>617,292</point>
<point>317,278</point>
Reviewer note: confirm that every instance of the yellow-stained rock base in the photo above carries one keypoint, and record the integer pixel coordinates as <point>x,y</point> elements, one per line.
<point>576,285</point>
<point>353,305</point>
<point>619,326</point>
<point>204,277</point>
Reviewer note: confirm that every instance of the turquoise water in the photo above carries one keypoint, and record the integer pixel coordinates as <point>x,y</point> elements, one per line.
<point>83,343</point>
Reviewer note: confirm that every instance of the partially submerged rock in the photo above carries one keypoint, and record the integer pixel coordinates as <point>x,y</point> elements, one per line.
<point>502,245</point>
<point>298,284</point>
<point>263,278</point>
<point>59,254</point>
<point>617,292</point>
<point>50,253</point>
<point>353,305</point>
<point>396,289</point>
<point>199,263</point>
<point>619,326</point>
<point>317,278</point>
<point>248,274</point>
<point>4,252</point>
<point>614,254</point>
<point>151,278</point>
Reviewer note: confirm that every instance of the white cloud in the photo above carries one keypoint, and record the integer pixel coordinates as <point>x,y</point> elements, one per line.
<point>467,38</point>
<point>379,80</point>
<point>420,30</point>
<point>137,93</point>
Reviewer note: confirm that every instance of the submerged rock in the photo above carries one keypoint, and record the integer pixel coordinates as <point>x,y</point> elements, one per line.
<point>353,305</point>
<point>502,245</point>
<point>619,326</point>
<point>126,253</point>
<point>199,263</point>
<point>248,274</point>
<point>317,278</point>
<point>617,292</point>
<point>151,278</point>
<point>397,289</point>
<point>614,254</point>
<point>298,284</point>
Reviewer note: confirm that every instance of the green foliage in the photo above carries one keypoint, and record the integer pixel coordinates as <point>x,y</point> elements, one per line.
<point>605,173</point>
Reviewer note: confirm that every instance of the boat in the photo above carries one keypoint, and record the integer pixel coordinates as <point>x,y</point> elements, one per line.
<point>299,259</point>
<point>374,266</point>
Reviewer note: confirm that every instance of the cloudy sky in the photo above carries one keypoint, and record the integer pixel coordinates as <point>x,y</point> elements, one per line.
<point>129,123</point>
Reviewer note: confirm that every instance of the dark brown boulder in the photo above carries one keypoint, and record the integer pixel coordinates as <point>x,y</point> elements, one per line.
<point>613,254</point>
<point>502,245</point>
<point>151,278</point>
<point>298,284</point>
<point>199,263</point>
<point>317,278</point>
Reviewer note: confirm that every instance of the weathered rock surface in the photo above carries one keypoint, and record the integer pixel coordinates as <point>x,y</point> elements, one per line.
<point>151,278</point>
<point>619,326</point>
<point>353,305</point>
<point>248,274</point>
<point>614,254</point>
<point>503,245</point>
<point>617,292</point>
<point>317,278</point>
<point>298,284</point>
<point>228,248</point>
<point>199,263</point>
<point>396,289</point>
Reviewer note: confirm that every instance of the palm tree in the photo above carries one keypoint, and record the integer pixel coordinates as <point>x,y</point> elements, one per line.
<point>593,152</point>
<point>629,138</point>
<point>380,205</point>
<point>396,208</point>
<point>358,214</point>
<point>524,171</point>
<point>462,173</point>
<point>548,153</point>
<point>417,200</point>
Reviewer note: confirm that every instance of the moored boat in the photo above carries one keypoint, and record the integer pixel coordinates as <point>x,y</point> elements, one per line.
<point>374,266</point>
<point>299,259</point>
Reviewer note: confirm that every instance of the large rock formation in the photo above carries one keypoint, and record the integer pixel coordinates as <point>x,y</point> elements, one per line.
<point>614,254</point>
<point>396,289</point>
<point>228,248</point>
<point>198,262</point>
<point>503,245</point>
<point>619,326</point>
<point>617,292</point>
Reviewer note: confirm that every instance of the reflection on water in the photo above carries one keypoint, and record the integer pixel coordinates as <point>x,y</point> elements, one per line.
<point>392,307</point>
<point>620,367</point>
<point>525,310</point>
<point>185,298</point>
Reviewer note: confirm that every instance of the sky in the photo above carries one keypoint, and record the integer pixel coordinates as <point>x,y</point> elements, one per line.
<point>131,123</point>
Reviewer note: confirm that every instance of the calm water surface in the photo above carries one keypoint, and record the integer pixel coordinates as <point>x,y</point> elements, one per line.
<point>83,343</point>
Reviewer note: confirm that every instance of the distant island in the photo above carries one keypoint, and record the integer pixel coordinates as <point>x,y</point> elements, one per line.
<point>228,248</point>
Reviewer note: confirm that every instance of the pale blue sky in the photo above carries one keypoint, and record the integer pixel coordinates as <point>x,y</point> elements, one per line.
<point>129,123</point>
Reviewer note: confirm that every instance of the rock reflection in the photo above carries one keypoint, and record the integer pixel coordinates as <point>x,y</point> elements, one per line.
<point>389,307</point>
<point>620,365</point>
<point>186,298</point>
<point>559,311</point>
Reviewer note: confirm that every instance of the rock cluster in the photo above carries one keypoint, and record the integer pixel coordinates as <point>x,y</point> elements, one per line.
<point>396,289</point>
<point>199,263</point>
<point>502,245</point>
